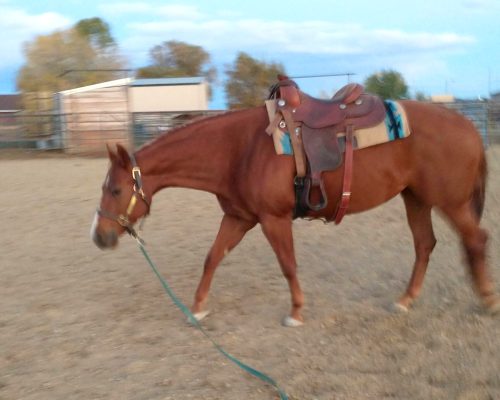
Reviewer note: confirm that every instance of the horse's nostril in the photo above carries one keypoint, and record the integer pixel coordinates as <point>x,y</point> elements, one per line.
<point>105,241</point>
<point>98,240</point>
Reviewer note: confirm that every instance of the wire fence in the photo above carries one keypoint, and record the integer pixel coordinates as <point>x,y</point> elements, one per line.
<point>484,114</point>
<point>87,133</point>
<point>27,131</point>
<point>147,126</point>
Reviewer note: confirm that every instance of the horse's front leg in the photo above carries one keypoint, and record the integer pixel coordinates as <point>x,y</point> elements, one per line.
<point>278,231</point>
<point>231,232</point>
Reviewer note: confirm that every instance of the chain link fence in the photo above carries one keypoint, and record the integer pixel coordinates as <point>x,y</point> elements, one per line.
<point>29,131</point>
<point>87,133</point>
<point>147,126</point>
<point>484,114</point>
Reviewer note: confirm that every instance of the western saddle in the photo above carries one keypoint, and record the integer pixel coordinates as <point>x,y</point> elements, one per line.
<point>313,125</point>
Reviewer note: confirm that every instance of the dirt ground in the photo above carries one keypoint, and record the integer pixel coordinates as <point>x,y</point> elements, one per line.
<point>79,323</point>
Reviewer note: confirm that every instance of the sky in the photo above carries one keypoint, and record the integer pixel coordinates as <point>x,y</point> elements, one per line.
<point>445,46</point>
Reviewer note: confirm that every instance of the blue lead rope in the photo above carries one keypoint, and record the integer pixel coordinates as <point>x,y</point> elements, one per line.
<point>195,322</point>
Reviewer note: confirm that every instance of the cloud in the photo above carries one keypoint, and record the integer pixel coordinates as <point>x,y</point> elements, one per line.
<point>227,31</point>
<point>174,11</point>
<point>17,20</point>
<point>20,26</point>
<point>111,9</point>
<point>224,32</point>
<point>480,5</point>
<point>306,37</point>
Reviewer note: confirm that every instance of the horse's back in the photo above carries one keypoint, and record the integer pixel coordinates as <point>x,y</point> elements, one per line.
<point>440,121</point>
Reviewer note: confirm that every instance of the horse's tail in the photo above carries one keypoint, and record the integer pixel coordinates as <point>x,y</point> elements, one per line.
<point>479,194</point>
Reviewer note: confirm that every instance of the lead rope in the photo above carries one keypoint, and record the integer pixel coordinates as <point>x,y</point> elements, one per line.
<point>263,377</point>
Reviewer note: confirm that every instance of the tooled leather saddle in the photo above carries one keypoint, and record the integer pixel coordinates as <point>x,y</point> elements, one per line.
<point>314,125</point>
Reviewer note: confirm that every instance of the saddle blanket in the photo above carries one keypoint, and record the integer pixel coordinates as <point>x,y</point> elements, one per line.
<point>388,130</point>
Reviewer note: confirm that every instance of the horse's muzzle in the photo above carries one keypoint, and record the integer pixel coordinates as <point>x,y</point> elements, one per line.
<point>106,240</point>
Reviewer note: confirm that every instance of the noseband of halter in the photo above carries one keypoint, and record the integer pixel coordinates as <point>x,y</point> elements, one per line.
<point>124,219</point>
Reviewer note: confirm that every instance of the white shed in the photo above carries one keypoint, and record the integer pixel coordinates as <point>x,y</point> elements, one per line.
<point>91,116</point>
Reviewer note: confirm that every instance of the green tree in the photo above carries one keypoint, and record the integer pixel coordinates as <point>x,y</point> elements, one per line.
<point>178,59</point>
<point>387,84</point>
<point>421,96</point>
<point>96,31</point>
<point>87,46</point>
<point>249,81</point>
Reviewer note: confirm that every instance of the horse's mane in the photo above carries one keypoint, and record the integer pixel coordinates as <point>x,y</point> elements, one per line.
<point>189,124</point>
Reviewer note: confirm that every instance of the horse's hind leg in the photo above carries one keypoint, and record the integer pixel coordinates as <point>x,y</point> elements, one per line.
<point>231,232</point>
<point>278,232</point>
<point>419,219</point>
<point>474,242</point>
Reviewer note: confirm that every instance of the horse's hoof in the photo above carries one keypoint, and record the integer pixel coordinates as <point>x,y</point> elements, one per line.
<point>399,308</point>
<point>290,322</point>
<point>199,316</point>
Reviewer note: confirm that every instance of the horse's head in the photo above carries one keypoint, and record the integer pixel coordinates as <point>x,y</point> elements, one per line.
<point>123,200</point>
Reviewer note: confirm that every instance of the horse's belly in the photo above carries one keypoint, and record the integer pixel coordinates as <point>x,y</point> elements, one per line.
<point>379,174</point>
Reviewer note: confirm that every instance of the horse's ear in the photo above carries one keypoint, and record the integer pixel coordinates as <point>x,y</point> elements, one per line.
<point>111,154</point>
<point>122,156</point>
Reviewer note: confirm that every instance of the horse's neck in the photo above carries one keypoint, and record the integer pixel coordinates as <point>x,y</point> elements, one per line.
<point>188,158</point>
<point>197,156</point>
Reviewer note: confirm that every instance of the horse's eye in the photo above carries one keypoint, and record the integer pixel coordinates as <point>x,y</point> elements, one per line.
<point>116,192</point>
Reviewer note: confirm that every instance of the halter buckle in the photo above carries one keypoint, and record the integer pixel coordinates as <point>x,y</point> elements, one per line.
<point>136,172</point>
<point>136,176</point>
<point>123,220</point>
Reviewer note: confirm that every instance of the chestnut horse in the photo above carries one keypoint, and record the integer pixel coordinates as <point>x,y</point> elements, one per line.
<point>441,164</point>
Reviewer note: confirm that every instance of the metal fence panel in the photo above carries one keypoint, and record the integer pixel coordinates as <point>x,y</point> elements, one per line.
<point>478,112</point>
<point>87,133</point>
<point>147,126</point>
<point>28,131</point>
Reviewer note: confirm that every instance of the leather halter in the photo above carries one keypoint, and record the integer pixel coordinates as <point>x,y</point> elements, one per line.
<point>124,219</point>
